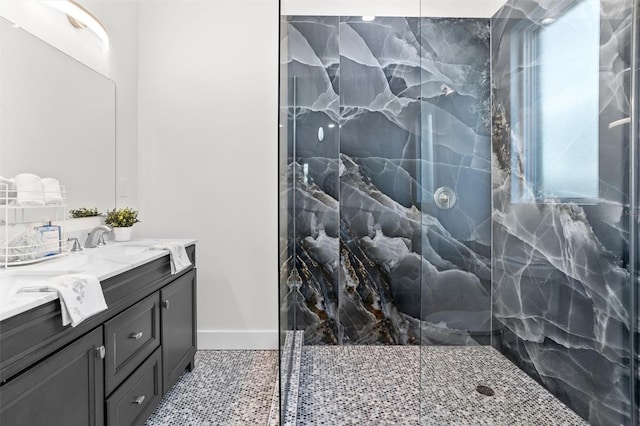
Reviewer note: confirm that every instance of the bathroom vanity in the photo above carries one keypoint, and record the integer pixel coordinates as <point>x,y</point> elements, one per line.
<point>114,367</point>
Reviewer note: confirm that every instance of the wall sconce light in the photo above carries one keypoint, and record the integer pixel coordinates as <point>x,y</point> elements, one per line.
<point>79,17</point>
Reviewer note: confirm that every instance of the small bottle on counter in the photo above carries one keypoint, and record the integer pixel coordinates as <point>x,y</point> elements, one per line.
<point>52,239</point>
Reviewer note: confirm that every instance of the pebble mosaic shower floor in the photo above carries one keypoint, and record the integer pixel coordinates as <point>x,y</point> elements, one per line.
<point>362,385</point>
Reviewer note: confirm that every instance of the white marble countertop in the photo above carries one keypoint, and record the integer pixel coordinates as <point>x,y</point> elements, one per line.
<point>102,262</point>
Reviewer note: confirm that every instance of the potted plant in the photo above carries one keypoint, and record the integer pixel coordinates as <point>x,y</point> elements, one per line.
<point>84,212</point>
<point>122,221</point>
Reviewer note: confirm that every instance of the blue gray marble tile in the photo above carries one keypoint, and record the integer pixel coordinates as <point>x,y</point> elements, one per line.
<point>560,267</point>
<point>404,108</point>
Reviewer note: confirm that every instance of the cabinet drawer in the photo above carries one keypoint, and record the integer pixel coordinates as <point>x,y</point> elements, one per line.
<point>130,337</point>
<point>135,400</point>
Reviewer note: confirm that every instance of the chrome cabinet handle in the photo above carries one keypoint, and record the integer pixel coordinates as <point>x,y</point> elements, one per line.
<point>101,352</point>
<point>165,304</point>
<point>136,335</point>
<point>138,400</point>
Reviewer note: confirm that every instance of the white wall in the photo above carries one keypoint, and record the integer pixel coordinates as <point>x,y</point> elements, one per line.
<point>207,155</point>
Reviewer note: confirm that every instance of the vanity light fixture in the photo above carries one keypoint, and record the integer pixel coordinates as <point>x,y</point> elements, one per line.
<point>79,17</point>
<point>368,18</point>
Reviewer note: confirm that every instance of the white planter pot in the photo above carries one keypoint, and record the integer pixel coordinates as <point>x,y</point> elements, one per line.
<point>122,234</point>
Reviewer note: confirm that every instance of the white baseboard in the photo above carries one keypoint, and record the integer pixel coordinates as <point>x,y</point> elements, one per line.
<point>237,339</point>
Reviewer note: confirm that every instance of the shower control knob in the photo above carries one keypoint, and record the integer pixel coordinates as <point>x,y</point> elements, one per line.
<point>444,197</point>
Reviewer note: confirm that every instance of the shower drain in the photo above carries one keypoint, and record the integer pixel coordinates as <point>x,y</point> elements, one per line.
<point>485,390</point>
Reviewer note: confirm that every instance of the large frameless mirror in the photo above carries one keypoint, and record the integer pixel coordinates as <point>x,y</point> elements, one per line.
<point>57,119</point>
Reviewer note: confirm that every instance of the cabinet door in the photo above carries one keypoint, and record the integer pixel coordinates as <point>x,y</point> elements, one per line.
<point>65,389</point>
<point>178,327</point>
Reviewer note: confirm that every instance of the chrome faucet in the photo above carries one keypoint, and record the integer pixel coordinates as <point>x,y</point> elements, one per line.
<point>76,244</point>
<point>96,236</point>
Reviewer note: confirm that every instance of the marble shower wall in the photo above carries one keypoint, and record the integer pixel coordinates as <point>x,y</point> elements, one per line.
<point>404,108</point>
<point>560,267</point>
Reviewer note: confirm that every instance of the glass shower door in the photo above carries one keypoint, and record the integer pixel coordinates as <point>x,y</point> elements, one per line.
<point>455,204</point>
<point>349,92</point>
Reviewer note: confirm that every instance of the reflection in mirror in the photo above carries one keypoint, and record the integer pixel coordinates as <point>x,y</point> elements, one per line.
<point>57,119</point>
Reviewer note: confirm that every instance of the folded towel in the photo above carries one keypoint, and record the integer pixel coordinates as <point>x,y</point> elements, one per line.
<point>52,192</point>
<point>177,255</point>
<point>7,190</point>
<point>29,190</point>
<point>80,296</point>
<point>21,244</point>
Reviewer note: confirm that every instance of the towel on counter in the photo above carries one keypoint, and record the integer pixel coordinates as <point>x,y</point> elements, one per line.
<point>177,255</point>
<point>29,190</point>
<point>80,296</point>
<point>52,192</point>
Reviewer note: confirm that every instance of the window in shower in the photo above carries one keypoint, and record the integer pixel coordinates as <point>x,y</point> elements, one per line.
<point>560,90</point>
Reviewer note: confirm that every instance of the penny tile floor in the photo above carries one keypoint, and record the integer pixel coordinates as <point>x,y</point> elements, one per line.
<point>361,385</point>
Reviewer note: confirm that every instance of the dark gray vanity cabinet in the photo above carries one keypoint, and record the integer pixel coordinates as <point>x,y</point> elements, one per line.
<point>178,328</point>
<point>113,368</point>
<point>64,389</point>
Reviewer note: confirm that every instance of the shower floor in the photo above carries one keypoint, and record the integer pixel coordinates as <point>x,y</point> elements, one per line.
<point>380,385</point>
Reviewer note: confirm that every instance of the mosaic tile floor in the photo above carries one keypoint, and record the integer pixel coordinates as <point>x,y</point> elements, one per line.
<point>344,386</point>
<point>361,385</point>
<point>450,375</point>
<point>224,388</point>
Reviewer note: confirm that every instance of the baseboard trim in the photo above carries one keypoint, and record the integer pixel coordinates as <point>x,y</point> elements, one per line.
<point>234,339</point>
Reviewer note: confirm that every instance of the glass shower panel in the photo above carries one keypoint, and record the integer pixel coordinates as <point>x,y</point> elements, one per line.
<point>309,138</point>
<point>286,248</point>
<point>455,177</point>
<point>562,271</point>
<point>380,75</point>
<point>634,234</point>
<point>455,205</point>
<point>349,132</point>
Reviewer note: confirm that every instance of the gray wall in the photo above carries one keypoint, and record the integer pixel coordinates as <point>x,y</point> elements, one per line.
<point>560,267</point>
<point>404,107</point>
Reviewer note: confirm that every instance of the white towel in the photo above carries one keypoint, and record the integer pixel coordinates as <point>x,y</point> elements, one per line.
<point>29,190</point>
<point>80,296</point>
<point>177,256</point>
<point>20,243</point>
<point>52,192</point>
<point>7,190</point>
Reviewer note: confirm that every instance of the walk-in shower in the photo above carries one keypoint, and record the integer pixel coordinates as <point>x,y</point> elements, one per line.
<point>458,212</point>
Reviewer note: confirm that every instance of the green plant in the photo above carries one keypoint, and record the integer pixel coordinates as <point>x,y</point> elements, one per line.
<point>121,218</point>
<point>84,212</point>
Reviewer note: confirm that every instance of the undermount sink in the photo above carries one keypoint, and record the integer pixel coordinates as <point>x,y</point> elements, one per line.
<point>119,252</point>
